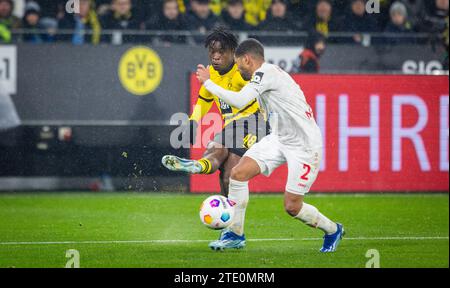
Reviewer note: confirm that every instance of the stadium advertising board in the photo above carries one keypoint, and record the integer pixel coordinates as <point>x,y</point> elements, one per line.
<point>381,133</point>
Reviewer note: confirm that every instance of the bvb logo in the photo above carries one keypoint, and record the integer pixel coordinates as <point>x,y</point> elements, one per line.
<point>140,70</point>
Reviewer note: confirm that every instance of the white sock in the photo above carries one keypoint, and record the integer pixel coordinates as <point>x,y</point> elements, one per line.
<point>312,217</point>
<point>239,194</point>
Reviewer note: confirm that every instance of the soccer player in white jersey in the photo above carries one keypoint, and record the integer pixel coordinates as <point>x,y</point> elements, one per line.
<point>295,139</point>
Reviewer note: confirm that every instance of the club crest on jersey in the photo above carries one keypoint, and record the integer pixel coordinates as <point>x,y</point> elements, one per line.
<point>257,78</point>
<point>224,107</point>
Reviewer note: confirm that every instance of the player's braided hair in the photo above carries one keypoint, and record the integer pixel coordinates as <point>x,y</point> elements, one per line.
<point>224,37</point>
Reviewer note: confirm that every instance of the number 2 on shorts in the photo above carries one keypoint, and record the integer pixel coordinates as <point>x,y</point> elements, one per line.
<point>308,169</point>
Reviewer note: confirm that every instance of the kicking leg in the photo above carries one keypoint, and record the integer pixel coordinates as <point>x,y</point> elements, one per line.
<point>213,158</point>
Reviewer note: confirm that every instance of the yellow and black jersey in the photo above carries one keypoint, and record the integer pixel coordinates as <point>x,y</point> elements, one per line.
<point>231,81</point>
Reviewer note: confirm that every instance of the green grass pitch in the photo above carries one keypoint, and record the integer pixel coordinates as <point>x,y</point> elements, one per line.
<point>164,230</point>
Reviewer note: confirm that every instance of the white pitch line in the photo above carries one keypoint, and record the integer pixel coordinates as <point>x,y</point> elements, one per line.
<point>201,241</point>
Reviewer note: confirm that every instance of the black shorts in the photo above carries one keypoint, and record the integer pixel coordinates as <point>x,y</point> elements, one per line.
<point>238,136</point>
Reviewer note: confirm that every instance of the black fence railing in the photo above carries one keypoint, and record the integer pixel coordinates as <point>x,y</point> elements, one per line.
<point>275,38</point>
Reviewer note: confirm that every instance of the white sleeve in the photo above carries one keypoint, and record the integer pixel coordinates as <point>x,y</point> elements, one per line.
<point>235,99</point>
<point>260,82</point>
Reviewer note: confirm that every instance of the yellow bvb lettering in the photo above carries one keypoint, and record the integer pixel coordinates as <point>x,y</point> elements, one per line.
<point>140,70</point>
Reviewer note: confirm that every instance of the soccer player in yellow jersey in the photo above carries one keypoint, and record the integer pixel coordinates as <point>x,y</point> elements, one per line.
<point>242,126</point>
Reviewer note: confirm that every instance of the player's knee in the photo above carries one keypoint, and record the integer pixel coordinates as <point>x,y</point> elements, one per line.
<point>213,148</point>
<point>216,154</point>
<point>238,174</point>
<point>293,208</point>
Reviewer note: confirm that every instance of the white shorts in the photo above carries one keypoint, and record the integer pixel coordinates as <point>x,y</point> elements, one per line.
<point>303,164</point>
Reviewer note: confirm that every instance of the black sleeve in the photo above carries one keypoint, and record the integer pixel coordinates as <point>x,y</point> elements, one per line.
<point>310,67</point>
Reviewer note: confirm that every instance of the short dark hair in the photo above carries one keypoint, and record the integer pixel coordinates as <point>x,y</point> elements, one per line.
<point>284,2</point>
<point>313,38</point>
<point>235,2</point>
<point>224,37</point>
<point>10,2</point>
<point>250,46</point>
<point>325,1</point>
<point>169,1</point>
<point>204,2</point>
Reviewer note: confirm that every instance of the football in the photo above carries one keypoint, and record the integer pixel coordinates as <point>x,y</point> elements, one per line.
<point>217,212</point>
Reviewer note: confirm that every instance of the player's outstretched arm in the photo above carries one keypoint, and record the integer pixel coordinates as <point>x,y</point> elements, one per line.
<point>237,99</point>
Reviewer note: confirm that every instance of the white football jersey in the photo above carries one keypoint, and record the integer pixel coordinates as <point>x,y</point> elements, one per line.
<point>283,103</point>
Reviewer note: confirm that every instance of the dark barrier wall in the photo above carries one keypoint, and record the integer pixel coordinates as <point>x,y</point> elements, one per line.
<point>401,59</point>
<point>82,83</point>
<point>404,59</point>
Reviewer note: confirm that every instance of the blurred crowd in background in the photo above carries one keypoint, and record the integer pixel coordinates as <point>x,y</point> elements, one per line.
<point>43,18</point>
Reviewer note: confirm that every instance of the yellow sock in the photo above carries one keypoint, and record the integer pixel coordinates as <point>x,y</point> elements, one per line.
<point>206,166</point>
